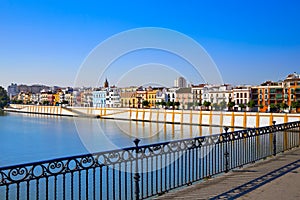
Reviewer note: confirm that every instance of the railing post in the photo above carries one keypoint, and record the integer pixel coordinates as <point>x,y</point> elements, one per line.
<point>274,138</point>
<point>226,154</point>
<point>136,175</point>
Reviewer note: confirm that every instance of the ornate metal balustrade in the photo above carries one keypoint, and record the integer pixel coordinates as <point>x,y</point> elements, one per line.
<point>143,171</point>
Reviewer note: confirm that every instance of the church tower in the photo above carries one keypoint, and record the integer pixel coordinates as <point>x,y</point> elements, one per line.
<point>106,85</point>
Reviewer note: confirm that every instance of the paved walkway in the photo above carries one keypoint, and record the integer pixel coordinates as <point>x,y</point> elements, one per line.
<point>273,178</point>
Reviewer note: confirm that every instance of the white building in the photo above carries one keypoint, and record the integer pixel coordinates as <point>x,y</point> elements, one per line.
<point>197,91</point>
<point>161,95</point>
<point>171,94</point>
<point>216,93</point>
<point>241,95</point>
<point>113,98</point>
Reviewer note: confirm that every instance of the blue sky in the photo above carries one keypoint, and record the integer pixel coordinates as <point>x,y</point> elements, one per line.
<point>46,41</point>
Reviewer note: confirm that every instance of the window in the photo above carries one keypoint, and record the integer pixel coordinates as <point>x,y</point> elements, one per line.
<point>245,95</point>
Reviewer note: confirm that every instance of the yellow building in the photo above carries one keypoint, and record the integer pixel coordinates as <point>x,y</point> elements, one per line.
<point>128,97</point>
<point>151,97</point>
<point>56,99</point>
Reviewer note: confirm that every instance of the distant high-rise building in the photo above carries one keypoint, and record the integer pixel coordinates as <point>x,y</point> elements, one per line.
<point>180,82</point>
<point>12,90</point>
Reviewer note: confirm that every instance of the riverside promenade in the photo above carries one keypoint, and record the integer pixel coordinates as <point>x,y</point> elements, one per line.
<point>277,177</point>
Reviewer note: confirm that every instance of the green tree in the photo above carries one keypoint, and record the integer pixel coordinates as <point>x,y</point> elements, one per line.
<point>251,104</point>
<point>273,108</point>
<point>177,104</point>
<point>230,105</point>
<point>163,103</point>
<point>242,106</point>
<point>46,103</point>
<point>65,102</point>
<point>157,104</point>
<point>206,104</point>
<point>261,106</point>
<point>295,104</point>
<point>283,106</point>
<point>145,103</point>
<point>222,105</point>
<point>216,106</point>
<point>4,99</point>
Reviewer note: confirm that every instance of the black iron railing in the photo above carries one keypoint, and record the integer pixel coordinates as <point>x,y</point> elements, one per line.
<point>144,171</point>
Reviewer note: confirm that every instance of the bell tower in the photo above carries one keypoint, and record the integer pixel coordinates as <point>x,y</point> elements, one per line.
<point>106,84</point>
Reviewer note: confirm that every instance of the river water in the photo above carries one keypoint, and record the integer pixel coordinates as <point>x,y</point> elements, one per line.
<point>27,138</point>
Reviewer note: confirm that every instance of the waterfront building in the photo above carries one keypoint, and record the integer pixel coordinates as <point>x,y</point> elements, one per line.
<point>128,97</point>
<point>76,97</point>
<point>36,98</point>
<point>171,94</point>
<point>50,98</point>
<point>291,88</point>
<point>215,94</point>
<point>56,100</point>
<point>151,96</point>
<point>161,95</point>
<point>99,98</point>
<point>141,95</point>
<point>24,97</point>
<point>112,97</point>
<point>197,91</point>
<point>69,98</point>
<point>185,97</point>
<point>241,95</point>
<point>87,98</point>
<point>268,94</point>
<point>180,82</point>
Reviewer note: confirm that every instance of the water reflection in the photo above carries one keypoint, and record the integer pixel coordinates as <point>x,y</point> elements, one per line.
<point>29,137</point>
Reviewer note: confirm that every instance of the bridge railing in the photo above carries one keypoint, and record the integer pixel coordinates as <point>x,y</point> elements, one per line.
<point>144,171</point>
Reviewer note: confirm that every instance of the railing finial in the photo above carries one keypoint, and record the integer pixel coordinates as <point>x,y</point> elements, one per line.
<point>136,142</point>
<point>226,129</point>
